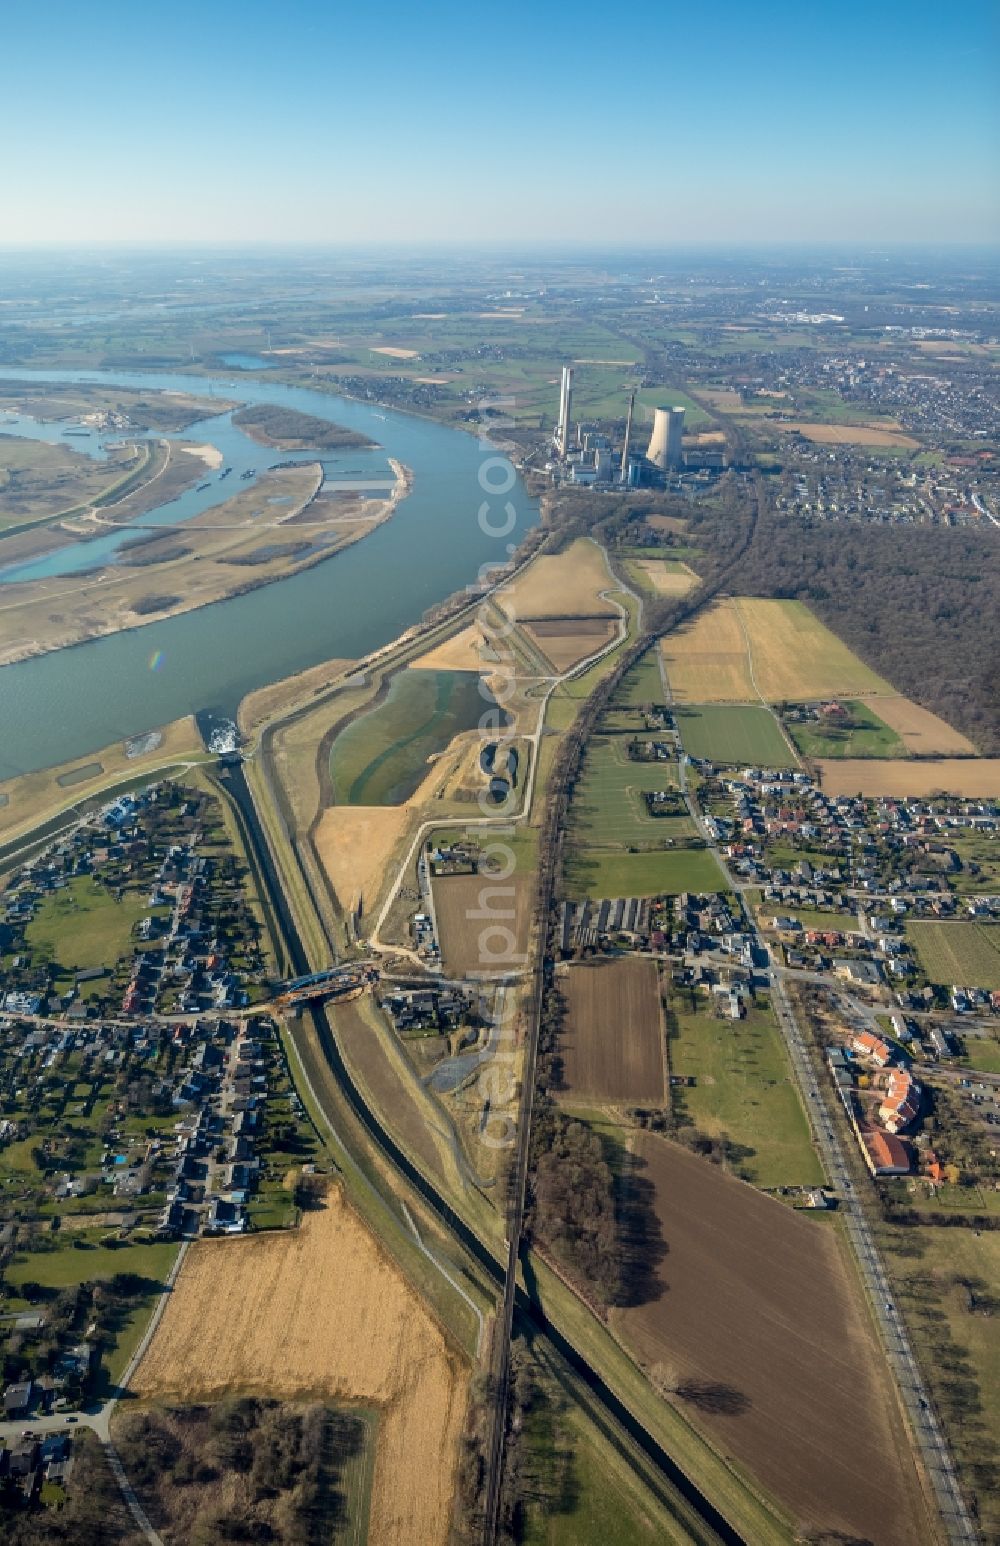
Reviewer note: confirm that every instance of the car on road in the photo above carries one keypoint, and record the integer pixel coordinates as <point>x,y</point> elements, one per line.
<point>71,1419</point>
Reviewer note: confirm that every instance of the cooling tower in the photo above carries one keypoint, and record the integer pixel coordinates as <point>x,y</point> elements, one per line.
<point>666,440</point>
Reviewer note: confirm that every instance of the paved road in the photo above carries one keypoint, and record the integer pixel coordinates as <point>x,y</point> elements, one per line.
<point>826,1118</point>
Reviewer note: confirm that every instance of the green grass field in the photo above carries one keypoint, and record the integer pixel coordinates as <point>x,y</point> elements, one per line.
<point>744,1088</point>
<point>608,806</point>
<point>381,757</point>
<point>982,1054</point>
<point>643,684</point>
<point>809,917</point>
<point>967,954</point>
<point>595,872</point>
<point>83,926</point>
<point>931,1273</point>
<point>70,1264</point>
<point>734,734</point>
<point>865,736</point>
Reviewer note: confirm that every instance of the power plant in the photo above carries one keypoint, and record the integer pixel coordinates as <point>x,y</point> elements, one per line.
<point>592,456</point>
<point>666,442</point>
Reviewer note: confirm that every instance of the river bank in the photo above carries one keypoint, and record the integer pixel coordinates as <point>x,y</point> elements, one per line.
<point>62,705</point>
<point>172,570</point>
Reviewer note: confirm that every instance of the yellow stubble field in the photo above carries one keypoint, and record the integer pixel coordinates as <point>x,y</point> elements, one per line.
<point>744,648</point>
<point>322,1311</point>
<point>566,584</point>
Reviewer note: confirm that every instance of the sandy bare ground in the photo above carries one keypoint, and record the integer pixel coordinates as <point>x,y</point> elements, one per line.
<point>322,1310</point>
<point>354,844</point>
<point>922,732</point>
<point>469,650</point>
<point>667,581</point>
<point>977,777</point>
<point>396,354</point>
<point>850,434</point>
<point>209,454</point>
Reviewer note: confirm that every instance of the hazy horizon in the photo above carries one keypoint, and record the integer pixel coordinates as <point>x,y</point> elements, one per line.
<point>327,127</point>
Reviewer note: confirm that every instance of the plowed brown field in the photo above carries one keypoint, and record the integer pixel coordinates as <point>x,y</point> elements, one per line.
<point>565,641</point>
<point>611,1043</point>
<point>471,944</point>
<point>321,1310</point>
<point>761,1303</point>
<point>975,777</point>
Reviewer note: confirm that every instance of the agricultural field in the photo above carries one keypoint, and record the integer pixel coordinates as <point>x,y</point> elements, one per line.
<point>321,1311</point>
<point>611,1042</point>
<point>380,757</point>
<point>760,1324</point>
<point>563,585</point>
<point>850,434</point>
<point>609,807</point>
<point>964,953</point>
<point>565,641</point>
<point>743,1088</point>
<point>975,777</point>
<point>923,734</point>
<point>860,734</point>
<point>743,649</point>
<point>497,942</point>
<point>706,659</point>
<point>595,872</point>
<point>795,656</point>
<point>83,925</point>
<point>732,733</point>
<point>662,576</point>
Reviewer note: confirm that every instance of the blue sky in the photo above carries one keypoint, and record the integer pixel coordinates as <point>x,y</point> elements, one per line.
<point>654,122</point>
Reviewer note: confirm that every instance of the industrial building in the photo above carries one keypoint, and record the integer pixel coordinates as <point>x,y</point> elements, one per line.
<point>590,454</point>
<point>665,448</point>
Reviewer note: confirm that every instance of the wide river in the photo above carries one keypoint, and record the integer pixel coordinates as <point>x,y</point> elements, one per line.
<point>72,702</point>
